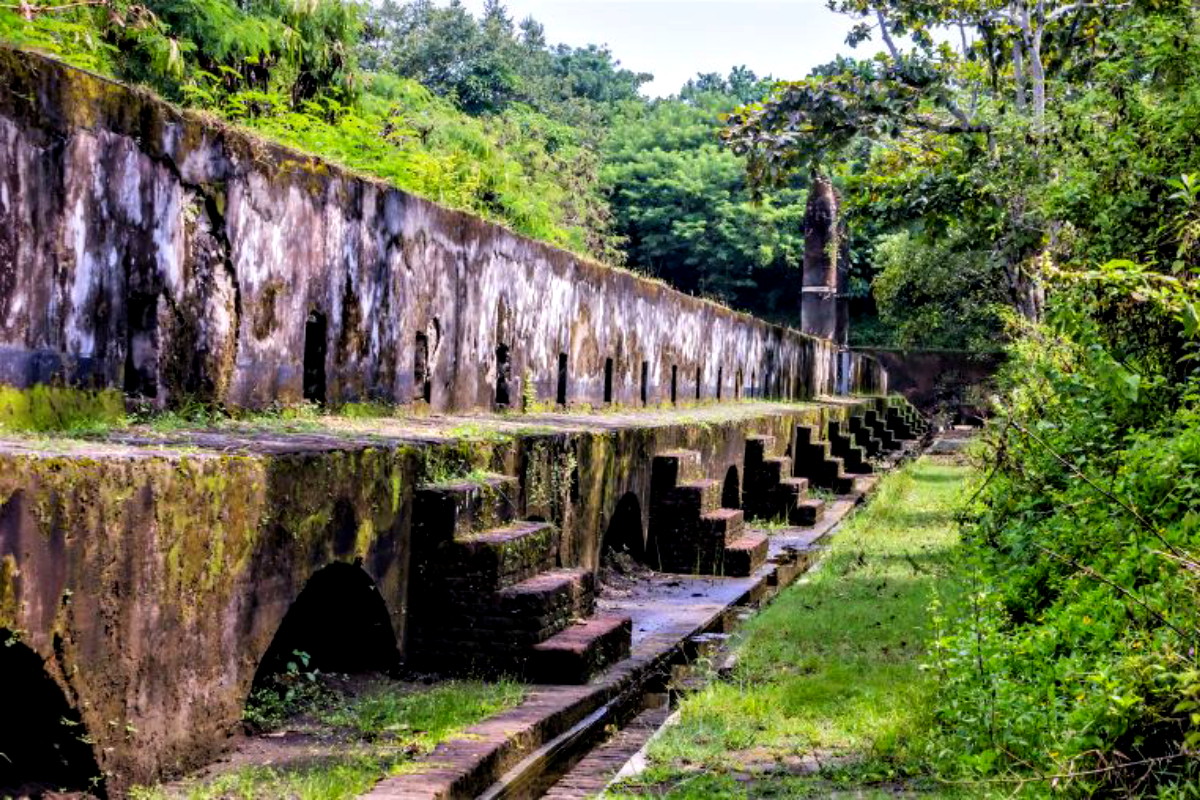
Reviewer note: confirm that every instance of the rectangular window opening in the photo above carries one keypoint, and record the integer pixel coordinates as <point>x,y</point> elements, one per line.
<point>315,346</point>
<point>608,380</point>
<point>645,382</point>
<point>674,381</point>
<point>422,382</point>
<point>561,398</point>
<point>503,377</point>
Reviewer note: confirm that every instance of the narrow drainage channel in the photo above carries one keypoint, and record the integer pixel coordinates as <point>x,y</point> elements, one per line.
<point>582,761</point>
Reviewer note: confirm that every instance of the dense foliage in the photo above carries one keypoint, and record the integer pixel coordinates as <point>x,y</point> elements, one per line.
<point>684,208</point>
<point>1045,163</point>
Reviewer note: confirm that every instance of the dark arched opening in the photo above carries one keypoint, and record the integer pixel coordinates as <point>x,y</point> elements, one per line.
<point>315,346</point>
<point>42,740</point>
<point>339,621</point>
<point>731,490</point>
<point>624,539</point>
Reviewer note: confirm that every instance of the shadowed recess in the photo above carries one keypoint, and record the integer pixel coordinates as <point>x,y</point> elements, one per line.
<point>624,534</point>
<point>731,490</point>
<point>340,621</point>
<point>43,746</point>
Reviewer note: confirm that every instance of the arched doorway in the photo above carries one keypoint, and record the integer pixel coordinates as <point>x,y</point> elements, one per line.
<point>624,540</point>
<point>731,490</point>
<point>42,739</point>
<point>339,622</point>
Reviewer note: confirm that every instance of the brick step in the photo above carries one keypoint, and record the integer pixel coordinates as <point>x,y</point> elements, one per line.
<point>723,525</point>
<point>444,511</point>
<point>497,558</point>
<point>806,512</point>
<point>746,554</point>
<point>691,499</point>
<point>581,651</point>
<point>773,470</point>
<point>674,467</point>
<point>559,593</point>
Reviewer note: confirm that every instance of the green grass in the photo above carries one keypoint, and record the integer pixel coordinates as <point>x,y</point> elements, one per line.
<point>832,669</point>
<point>374,735</point>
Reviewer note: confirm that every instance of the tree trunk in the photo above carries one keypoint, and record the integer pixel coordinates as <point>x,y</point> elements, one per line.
<point>819,301</point>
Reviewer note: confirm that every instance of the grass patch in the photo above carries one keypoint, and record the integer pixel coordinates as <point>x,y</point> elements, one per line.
<point>357,740</point>
<point>828,694</point>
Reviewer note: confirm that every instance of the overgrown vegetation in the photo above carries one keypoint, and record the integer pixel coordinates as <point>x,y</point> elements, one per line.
<point>828,691</point>
<point>349,741</point>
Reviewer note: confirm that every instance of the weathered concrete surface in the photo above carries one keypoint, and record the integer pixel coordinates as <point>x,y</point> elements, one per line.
<point>952,382</point>
<point>162,253</point>
<point>151,571</point>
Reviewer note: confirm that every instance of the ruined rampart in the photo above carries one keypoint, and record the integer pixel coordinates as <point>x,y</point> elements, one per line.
<point>157,252</point>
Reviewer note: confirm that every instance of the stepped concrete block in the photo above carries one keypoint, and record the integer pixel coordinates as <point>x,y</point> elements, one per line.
<point>581,651</point>
<point>806,512</point>
<point>674,467</point>
<point>746,554</point>
<point>692,498</point>
<point>444,511</point>
<point>567,592</point>
<point>724,524</point>
<point>500,557</point>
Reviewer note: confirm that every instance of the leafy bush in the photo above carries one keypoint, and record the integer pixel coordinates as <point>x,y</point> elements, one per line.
<point>1073,664</point>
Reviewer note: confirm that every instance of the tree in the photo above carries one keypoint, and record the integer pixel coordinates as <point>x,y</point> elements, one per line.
<point>682,203</point>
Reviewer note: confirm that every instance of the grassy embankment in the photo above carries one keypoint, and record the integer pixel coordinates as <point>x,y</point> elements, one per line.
<point>356,742</point>
<point>828,695</point>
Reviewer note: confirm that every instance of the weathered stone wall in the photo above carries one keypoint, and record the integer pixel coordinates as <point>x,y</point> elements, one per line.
<point>949,382</point>
<point>151,577</point>
<point>151,582</point>
<point>164,254</point>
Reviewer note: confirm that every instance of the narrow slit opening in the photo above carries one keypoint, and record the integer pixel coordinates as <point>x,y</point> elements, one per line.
<point>421,378</point>
<point>608,380</point>
<point>503,376</point>
<point>561,395</point>
<point>316,344</point>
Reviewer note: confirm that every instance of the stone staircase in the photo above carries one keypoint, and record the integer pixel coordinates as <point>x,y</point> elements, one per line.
<point>814,460</point>
<point>843,445</point>
<point>878,426</point>
<point>904,420</point>
<point>864,435</point>
<point>487,597</point>
<point>689,531</point>
<point>771,491</point>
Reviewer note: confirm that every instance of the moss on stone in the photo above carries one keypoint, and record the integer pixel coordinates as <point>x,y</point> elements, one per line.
<point>55,408</point>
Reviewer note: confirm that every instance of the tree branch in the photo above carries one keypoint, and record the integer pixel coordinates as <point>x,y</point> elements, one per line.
<point>887,36</point>
<point>1059,13</point>
<point>29,11</point>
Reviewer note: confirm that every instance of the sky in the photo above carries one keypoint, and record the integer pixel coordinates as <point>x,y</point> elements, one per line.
<point>675,39</point>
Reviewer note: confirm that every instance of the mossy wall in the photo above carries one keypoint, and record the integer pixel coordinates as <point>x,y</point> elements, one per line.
<point>152,583</point>
<point>179,257</point>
